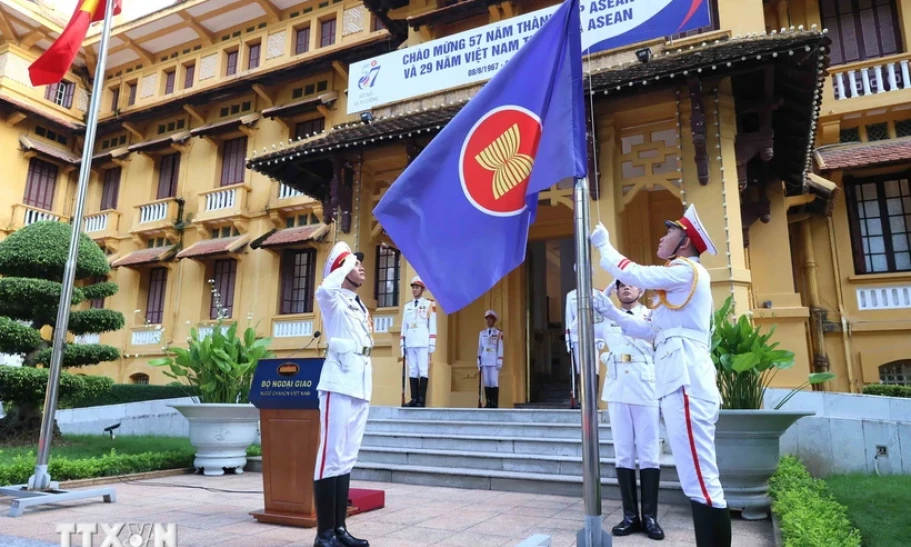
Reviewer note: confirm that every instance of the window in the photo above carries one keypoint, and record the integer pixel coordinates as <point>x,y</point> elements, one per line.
<point>131,99</point>
<point>98,303</point>
<point>188,75</point>
<point>115,99</point>
<point>168,171</point>
<point>896,373</point>
<point>388,271</point>
<point>110,189</point>
<point>158,284</point>
<point>327,33</point>
<point>309,127</point>
<point>232,161</point>
<point>861,29</point>
<point>880,214</point>
<point>377,24</point>
<point>41,184</point>
<point>231,65</point>
<point>253,56</point>
<point>61,94</point>
<point>169,82</point>
<point>140,378</point>
<point>298,269</point>
<point>302,41</point>
<point>225,274</point>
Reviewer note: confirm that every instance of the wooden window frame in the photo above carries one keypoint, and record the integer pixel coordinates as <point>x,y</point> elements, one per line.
<point>189,73</point>
<point>297,282</point>
<point>156,295</point>
<point>168,176</point>
<point>852,187</point>
<point>233,154</point>
<point>110,188</point>
<point>44,174</point>
<point>323,34</point>
<point>62,98</point>
<point>231,63</point>
<point>115,99</point>
<point>309,127</point>
<point>224,273</point>
<point>383,256</point>
<point>170,77</point>
<point>254,52</point>
<point>838,23</point>
<point>131,98</point>
<point>298,42</point>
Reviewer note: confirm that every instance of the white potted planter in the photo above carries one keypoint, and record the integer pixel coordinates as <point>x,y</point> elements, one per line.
<point>221,434</point>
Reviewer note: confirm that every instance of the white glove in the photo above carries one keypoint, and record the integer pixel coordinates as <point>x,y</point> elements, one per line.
<point>602,304</point>
<point>605,358</point>
<point>600,344</point>
<point>599,236</point>
<point>402,348</point>
<point>432,349</point>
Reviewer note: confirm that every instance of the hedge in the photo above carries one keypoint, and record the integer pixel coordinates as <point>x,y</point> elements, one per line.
<point>27,384</point>
<point>132,393</point>
<point>888,390</point>
<point>109,465</point>
<point>79,355</point>
<point>809,516</point>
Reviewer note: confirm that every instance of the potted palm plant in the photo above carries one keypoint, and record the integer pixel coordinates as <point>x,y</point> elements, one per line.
<point>747,435</point>
<point>221,365</point>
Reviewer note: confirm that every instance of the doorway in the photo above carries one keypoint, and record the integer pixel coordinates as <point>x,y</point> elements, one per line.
<point>550,276</point>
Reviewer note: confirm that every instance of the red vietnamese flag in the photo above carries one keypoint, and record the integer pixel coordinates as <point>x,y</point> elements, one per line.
<point>53,64</point>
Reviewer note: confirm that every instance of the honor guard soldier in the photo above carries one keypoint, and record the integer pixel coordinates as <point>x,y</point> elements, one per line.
<point>572,336</point>
<point>680,328</point>
<point>419,341</point>
<point>629,391</point>
<point>344,388</point>
<point>490,358</point>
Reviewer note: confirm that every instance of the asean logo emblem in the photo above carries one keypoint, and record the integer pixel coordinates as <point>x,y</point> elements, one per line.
<point>497,158</point>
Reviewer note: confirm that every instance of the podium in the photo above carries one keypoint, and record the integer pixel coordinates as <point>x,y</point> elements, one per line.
<point>284,391</point>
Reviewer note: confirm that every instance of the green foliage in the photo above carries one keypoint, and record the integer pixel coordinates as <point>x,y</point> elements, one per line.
<point>109,465</point>
<point>747,363</point>
<point>809,515</point>
<point>40,250</point>
<point>888,390</point>
<point>16,338</point>
<point>132,393</point>
<point>29,292</point>
<point>95,320</point>
<point>254,450</point>
<point>78,355</point>
<point>20,385</point>
<point>872,501</point>
<point>221,365</point>
<point>103,289</point>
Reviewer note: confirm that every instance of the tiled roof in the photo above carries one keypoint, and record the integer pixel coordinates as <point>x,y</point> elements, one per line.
<point>22,105</point>
<point>52,151</point>
<point>145,256</point>
<point>209,247</point>
<point>290,236</point>
<point>861,155</point>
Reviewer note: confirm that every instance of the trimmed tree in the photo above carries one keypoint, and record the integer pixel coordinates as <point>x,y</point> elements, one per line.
<point>32,263</point>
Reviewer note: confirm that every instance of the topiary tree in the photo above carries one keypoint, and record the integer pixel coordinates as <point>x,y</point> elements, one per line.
<point>32,263</point>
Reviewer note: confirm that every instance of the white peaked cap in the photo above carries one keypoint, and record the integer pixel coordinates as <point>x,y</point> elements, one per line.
<point>337,256</point>
<point>416,280</point>
<point>694,229</point>
<point>491,313</point>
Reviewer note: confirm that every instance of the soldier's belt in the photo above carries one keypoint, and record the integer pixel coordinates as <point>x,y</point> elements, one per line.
<point>627,358</point>
<point>365,352</point>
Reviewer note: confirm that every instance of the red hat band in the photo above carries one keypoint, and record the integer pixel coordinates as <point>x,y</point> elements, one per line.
<point>338,261</point>
<point>693,234</point>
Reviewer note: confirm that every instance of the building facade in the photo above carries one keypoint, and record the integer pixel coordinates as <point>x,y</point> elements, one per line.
<point>226,159</point>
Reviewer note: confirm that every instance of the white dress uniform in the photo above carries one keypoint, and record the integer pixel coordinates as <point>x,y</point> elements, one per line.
<point>346,381</point>
<point>419,335</point>
<point>490,355</point>
<point>572,328</point>
<point>685,385</point>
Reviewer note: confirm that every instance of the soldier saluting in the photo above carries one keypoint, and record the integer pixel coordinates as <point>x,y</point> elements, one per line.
<point>680,328</point>
<point>419,341</point>
<point>490,358</point>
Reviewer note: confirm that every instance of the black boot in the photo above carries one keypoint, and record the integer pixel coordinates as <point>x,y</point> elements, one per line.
<point>341,512</point>
<point>712,525</point>
<point>414,393</point>
<point>324,492</point>
<point>488,398</point>
<point>648,482</point>
<point>422,393</point>
<point>631,522</point>
<point>495,391</point>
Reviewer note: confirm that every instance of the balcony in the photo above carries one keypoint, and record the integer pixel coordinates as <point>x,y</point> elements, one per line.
<point>876,80</point>
<point>156,217</point>
<point>292,326</point>
<point>101,226</point>
<point>25,215</point>
<point>225,203</point>
<point>146,336</point>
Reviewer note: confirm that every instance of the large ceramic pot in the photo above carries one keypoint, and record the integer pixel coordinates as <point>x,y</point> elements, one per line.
<point>747,452</point>
<point>221,434</point>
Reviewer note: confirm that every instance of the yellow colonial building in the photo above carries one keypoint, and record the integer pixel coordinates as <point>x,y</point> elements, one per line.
<point>227,156</point>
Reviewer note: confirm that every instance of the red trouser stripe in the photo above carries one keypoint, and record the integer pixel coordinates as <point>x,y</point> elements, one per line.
<point>689,430</point>
<point>322,467</point>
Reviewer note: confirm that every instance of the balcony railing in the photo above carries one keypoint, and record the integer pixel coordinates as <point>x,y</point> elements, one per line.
<point>285,192</point>
<point>290,328</point>
<point>25,215</point>
<point>228,201</point>
<point>871,77</point>
<point>102,225</point>
<point>96,223</point>
<point>155,215</point>
<point>145,336</point>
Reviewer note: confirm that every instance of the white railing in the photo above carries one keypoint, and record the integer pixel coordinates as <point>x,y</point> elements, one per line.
<point>292,328</point>
<point>96,223</point>
<point>884,298</point>
<point>206,331</point>
<point>35,215</point>
<point>382,323</point>
<point>285,191</point>
<point>90,338</point>
<point>223,199</point>
<point>153,212</point>
<point>151,337</point>
<point>890,75</point>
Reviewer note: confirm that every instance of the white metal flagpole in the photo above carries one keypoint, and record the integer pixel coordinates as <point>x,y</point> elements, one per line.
<point>40,489</point>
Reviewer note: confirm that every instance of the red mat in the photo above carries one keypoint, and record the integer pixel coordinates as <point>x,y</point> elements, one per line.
<point>361,500</point>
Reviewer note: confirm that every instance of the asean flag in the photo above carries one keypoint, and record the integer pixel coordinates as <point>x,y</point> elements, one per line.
<point>460,213</point>
<point>53,64</point>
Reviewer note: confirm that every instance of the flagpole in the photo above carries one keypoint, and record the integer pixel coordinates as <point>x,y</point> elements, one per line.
<point>593,534</point>
<point>41,479</point>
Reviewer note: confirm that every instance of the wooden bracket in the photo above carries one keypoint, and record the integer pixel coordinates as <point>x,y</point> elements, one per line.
<point>195,114</point>
<point>263,93</point>
<point>697,127</point>
<point>14,118</point>
<point>342,71</point>
<point>133,130</point>
<point>324,110</point>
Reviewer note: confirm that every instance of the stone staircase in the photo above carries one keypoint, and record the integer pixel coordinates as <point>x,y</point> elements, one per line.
<point>526,450</point>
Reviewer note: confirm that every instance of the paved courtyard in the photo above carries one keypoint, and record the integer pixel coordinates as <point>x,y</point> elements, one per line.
<point>213,512</point>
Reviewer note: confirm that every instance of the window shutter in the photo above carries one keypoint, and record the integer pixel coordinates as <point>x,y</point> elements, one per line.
<point>188,78</point>
<point>68,94</point>
<point>110,191</point>
<point>168,174</point>
<point>158,280</point>
<point>40,184</point>
<point>232,163</point>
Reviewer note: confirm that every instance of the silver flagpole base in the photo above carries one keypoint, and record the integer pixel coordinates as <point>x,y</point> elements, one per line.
<point>24,497</point>
<point>594,534</point>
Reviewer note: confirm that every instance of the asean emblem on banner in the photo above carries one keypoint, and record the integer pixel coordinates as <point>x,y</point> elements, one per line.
<point>497,158</point>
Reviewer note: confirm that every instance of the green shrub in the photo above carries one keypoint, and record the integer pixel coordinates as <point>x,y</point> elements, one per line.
<point>109,465</point>
<point>888,391</point>
<point>132,393</point>
<point>79,355</point>
<point>26,384</point>
<point>40,250</point>
<point>95,320</point>
<point>104,289</point>
<point>16,338</point>
<point>808,514</point>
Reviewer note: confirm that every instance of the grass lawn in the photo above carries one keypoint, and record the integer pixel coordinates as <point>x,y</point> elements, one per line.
<point>877,506</point>
<point>88,446</point>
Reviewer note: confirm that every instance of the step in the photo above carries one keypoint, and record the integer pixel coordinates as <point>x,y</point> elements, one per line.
<point>511,481</point>
<point>480,443</point>
<point>486,428</point>
<point>496,461</point>
<point>510,415</point>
